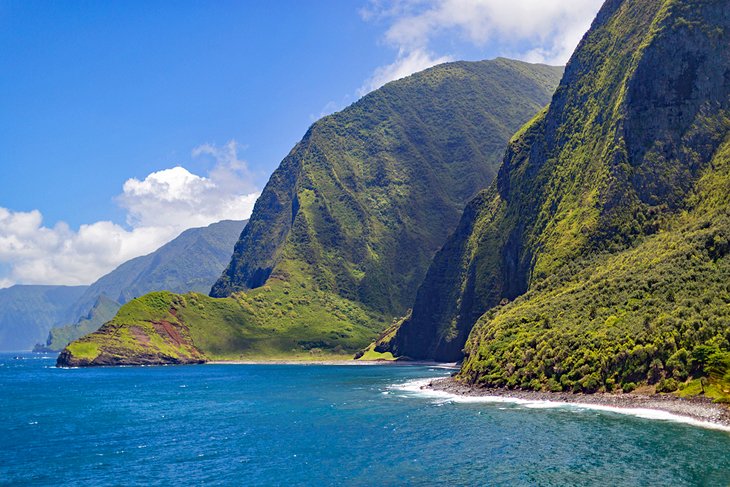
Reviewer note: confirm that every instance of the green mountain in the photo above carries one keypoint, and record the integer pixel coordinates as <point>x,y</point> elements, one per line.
<point>103,310</point>
<point>190,262</point>
<point>28,312</point>
<point>345,228</point>
<point>599,256</point>
<point>363,202</point>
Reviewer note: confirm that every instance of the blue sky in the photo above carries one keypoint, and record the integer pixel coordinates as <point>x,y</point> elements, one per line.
<point>97,92</point>
<point>103,100</point>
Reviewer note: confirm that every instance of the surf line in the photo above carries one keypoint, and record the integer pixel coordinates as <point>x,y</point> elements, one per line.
<point>419,387</point>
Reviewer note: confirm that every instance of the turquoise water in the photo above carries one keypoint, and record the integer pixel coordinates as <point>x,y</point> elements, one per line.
<point>318,425</point>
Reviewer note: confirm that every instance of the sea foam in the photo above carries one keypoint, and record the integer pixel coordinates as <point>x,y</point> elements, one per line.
<point>418,388</point>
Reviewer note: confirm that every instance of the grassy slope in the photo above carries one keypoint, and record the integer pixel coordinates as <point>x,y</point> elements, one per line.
<point>346,226</point>
<point>659,310</point>
<point>370,194</point>
<point>190,262</point>
<point>279,320</point>
<point>609,213</point>
<point>137,335</point>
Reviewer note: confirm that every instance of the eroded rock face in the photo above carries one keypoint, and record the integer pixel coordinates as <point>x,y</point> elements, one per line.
<point>641,111</point>
<point>110,358</point>
<point>151,342</point>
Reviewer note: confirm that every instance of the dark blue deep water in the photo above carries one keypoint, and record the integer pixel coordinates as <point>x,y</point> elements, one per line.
<point>318,425</point>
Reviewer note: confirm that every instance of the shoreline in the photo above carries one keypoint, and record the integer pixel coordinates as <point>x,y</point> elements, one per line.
<point>699,411</point>
<point>345,362</point>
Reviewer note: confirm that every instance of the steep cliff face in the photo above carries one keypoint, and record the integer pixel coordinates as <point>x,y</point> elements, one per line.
<point>103,310</point>
<point>28,312</point>
<point>346,226</point>
<point>657,312</point>
<point>635,123</point>
<point>363,202</point>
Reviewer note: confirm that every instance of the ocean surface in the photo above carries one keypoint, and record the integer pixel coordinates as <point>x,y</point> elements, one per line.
<point>319,425</point>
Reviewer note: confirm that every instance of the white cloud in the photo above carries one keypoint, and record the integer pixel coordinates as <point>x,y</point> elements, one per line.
<point>331,107</point>
<point>533,30</point>
<point>328,109</point>
<point>405,64</point>
<point>37,254</point>
<point>158,207</point>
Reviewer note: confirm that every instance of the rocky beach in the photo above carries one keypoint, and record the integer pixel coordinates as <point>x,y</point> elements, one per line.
<point>696,408</point>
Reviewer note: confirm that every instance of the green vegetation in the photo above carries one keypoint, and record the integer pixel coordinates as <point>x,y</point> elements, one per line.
<point>598,260</point>
<point>719,391</point>
<point>104,310</point>
<point>27,313</point>
<point>657,313</point>
<point>378,349</point>
<point>190,262</point>
<point>279,320</point>
<point>145,331</point>
<point>365,199</point>
<point>371,354</point>
<point>85,351</point>
<point>347,225</point>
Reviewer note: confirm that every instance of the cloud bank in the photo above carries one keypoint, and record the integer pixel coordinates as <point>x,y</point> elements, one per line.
<point>158,208</point>
<point>545,31</point>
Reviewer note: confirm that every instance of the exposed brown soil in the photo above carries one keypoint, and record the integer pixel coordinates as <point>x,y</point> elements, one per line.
<point>139,334</point>
<point>169,332</point>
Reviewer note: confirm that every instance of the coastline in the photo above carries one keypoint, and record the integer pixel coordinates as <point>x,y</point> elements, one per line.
<point>346,362</point>
<point>698,411</point>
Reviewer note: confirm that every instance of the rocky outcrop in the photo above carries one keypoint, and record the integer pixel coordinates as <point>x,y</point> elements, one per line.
<point>133,338</point>
<point>122,357</point>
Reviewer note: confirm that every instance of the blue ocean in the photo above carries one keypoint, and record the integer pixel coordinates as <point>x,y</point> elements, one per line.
<point>319,425</point>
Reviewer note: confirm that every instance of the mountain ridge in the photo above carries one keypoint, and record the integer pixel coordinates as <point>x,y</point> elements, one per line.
<point>346,226</point>
<point>167,268</point>
<point>28,312</point>
<point>361,187</point>
<point>187,263</point>
<point>635,131</point>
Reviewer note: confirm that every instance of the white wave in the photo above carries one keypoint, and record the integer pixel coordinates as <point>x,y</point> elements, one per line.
<point>417,387</point>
